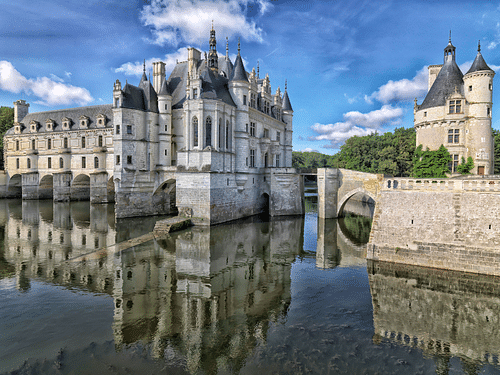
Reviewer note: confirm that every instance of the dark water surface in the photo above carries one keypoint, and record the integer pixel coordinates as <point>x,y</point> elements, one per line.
<point>292,295</point>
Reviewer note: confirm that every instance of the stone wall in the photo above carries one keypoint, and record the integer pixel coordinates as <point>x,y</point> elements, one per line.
<point>443,223</point>
<point>442,312</point>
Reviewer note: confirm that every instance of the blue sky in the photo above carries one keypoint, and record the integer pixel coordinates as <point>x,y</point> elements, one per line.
<point>353,67</point>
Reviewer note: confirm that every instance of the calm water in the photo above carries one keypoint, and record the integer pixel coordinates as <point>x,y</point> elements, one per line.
<point>287,296</point>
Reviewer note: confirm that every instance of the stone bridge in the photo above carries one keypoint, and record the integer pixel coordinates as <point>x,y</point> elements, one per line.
<point>337,186</point>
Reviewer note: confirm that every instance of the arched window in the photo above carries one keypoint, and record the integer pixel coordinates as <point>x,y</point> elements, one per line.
<point>61,163</point>
<point>195,131</point>
<point>96,162</point>
<point>220,134</point>
<point>208,131</point>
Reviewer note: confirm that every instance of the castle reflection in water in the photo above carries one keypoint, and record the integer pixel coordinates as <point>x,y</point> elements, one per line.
<point>208,295</point>
<point>200,292</point>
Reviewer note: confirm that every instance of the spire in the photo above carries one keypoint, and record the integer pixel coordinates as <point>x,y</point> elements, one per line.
<point>239,73</point>
<point>213,59</point>
<point>287,106</point>
<point>479,63</point>
<point>449,51</point>
<point>144,77</point>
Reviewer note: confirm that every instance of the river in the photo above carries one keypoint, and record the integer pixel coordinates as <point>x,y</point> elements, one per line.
<point>291,295</point>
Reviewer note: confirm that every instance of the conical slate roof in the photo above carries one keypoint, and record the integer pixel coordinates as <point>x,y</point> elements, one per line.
<point>164,89</point>
<point>449,80</point>
<point>479,64</point>
<point>287,106</point>
<point>239,73</point>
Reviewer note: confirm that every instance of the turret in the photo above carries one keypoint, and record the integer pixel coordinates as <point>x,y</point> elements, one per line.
<point>478,88</point>
<point>238,82</point>
<point>287,118</point>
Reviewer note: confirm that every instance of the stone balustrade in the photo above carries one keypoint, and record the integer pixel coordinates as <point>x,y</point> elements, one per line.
<point>487,184</point>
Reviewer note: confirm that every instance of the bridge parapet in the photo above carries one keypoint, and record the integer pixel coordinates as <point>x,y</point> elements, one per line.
<point>442,184</point>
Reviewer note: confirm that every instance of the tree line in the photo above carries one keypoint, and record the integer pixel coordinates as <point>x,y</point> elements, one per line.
<point>392,153</point>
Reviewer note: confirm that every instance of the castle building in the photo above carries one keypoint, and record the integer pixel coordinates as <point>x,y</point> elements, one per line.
<point>456,112</point>
<point>211,140</point>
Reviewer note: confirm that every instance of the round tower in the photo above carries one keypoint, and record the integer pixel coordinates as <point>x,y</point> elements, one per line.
<point>478,90</point>
<point>165,156</point>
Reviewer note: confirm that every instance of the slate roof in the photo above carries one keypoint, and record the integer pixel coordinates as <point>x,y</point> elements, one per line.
<point>213,86</point>
<point>478,64</point>
<point>71,113</point>
<point>239,73</point>
<point>287,106</point>
<point>226,66</point>
<point>449,79</point>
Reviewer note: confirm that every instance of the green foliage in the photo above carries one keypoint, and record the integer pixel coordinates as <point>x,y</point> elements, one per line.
<point>6,121</point>
<point>496,153</point>
<point>465,167</point>
<point>431,164</point>
<point>389,153</point>
<point>311,160</point>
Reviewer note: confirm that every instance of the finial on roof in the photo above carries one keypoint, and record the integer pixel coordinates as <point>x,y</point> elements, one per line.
<point>212,24</point>
<point>286,84</point>
<point>258,70</point>
<point>227,47</point>
<point>449,40</point>
<point>144,66</point>
<point>479,46</point>
<point>239,46</point>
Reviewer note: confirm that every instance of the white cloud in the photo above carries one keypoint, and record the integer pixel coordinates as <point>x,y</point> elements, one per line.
<point>170,60</point>
<point>402,90</point>
<point>356,123</point>
<point>189,21</point>
<point>51,91</point>
<point>307,149</point>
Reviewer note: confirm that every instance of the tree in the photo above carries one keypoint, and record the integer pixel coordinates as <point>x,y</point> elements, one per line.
<point>6,121</point>
<point>431,164</point>
<point>496,152</point>
<point>465,167</point>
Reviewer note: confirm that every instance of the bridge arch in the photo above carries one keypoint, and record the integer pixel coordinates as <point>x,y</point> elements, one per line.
<point>46,187</point>
<point>80,188</point>
<point>14,188</point>
<point>350,194</point>
<point>165,195</point>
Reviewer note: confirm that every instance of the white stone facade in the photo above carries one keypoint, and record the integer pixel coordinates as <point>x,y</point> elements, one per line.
<point>208,140</point>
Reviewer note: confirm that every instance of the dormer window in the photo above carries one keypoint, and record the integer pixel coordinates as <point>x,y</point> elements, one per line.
<point>84,122</point>
<point>33,126</point>
<point>17,128</point>
<point>101,120</point>
<point>455,106</point>
<point>66,123</point>
<point>49,125</point>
